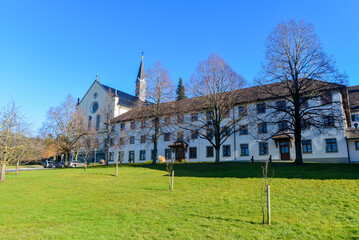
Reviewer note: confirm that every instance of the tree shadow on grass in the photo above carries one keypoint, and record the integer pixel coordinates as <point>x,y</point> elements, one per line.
<point>320,171</point>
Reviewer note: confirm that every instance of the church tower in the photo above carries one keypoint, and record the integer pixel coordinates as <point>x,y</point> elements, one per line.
<point>141,82</point>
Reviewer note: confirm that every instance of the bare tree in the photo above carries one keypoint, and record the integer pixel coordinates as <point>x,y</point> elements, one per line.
<point>107,112</point>
<point>67,125</point>
<point>214,83</point>
<point>87,144</point>
<point>117,146</point>
<point>303,76</point>
<point>160,90</point>
<point>23,145</point>
<point>8,124</point>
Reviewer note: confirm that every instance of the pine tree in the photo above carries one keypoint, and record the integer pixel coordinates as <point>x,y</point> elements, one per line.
<point>181,94</point>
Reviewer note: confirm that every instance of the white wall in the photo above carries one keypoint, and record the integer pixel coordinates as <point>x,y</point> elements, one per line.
<point>318,139</point>
<point>354,153</point>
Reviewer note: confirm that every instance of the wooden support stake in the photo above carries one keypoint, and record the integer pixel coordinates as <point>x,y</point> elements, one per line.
<point>173,175</point>
<point>268,205</point>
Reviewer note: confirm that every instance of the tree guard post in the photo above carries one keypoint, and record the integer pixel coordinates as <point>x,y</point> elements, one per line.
<point>173,175</point>
<point>268,205</point>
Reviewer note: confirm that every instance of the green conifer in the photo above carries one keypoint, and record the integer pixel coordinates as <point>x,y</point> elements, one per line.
<point>181,94</point>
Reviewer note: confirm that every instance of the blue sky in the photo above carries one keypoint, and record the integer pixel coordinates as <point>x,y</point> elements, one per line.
<point>49,49</point>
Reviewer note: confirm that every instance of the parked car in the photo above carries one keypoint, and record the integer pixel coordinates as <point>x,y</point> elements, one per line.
<point>76,164</point>
<point>49,164</point>
<point>59,164</point>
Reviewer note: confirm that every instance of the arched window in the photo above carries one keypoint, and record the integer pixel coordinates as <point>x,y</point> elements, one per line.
<point>98,121</point>
<point>89,126</point>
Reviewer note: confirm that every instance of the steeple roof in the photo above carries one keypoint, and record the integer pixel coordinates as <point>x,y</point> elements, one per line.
<point>141,71</point>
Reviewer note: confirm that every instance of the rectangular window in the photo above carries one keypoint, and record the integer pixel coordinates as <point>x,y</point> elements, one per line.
<point>226,150</point>
<point>244,150</point>
<point>121,156</point>
<point>112,142</point>
<point>208,115</point>
<point>282,125</point>
<point>111,157</point>
<point>113,128</point>
<point>226,114</point>
<point>143,138</point>
<point>331,145</point>
<point>132,140</point>
<point>192,152</point>
<point>307,146</point>
<point>194,117</point>
<point>327,99</point>
<point>143,124</point>
<point>167,137</point>
<point>303,103</point>
<point>209,151</point>
<point>262,128</point>
<point>281,105</point>
<point>142,155</point>
<point>261,108</point>
<point>355,118</point>
<point>180,118</point>
<point>328,121</point>
<point>194,134</point>
<point>131,156</point>
<point>122,126</point>
<point>122,141</point>
<point>133,125</point>
<point>357,145</point>
<point>243,130</point>
<point>168,154</point>
<point>242,110</point>
<point>167,120</point>
<point>263,148</point>
<point>179,136</point>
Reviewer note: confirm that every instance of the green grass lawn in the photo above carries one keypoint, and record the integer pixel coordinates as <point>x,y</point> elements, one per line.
<point>312,201</point>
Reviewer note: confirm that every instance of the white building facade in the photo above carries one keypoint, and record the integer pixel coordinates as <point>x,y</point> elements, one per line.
<point>253,142</point>
<point>253,139</point>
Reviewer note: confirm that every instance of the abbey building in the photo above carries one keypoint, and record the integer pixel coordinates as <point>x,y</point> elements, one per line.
<point>337,140</point>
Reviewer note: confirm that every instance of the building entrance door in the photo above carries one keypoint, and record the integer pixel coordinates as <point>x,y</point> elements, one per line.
<point>180,154</point>
<point>284,151</point>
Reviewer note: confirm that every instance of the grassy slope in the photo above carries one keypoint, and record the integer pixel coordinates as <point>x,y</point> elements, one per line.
<point>209,202</point>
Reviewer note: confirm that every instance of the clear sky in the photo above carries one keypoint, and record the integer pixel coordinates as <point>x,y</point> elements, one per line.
<point>49,49</point>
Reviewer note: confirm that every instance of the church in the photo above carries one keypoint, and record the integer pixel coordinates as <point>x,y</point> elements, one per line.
<point>253,142</point>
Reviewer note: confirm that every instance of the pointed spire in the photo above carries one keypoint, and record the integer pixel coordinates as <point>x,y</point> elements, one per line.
<point>141,82</point>
<point>141,70</point>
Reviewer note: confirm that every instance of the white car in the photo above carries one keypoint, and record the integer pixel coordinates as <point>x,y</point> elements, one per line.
<point>76,164</point>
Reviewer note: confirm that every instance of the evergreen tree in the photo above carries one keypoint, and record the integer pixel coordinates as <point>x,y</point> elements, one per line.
<point>181,94</point>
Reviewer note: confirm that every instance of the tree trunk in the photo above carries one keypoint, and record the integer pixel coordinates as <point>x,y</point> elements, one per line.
<point>66,158</point>
<point>298,148</point>
<point>217,155</point>
<point>154,153</point>
<point>107,154</point>
<point>155,141</point>
<point>85,167</point>
<point>3,171</point>
<point>17,167</point>
<point>116,168</point>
